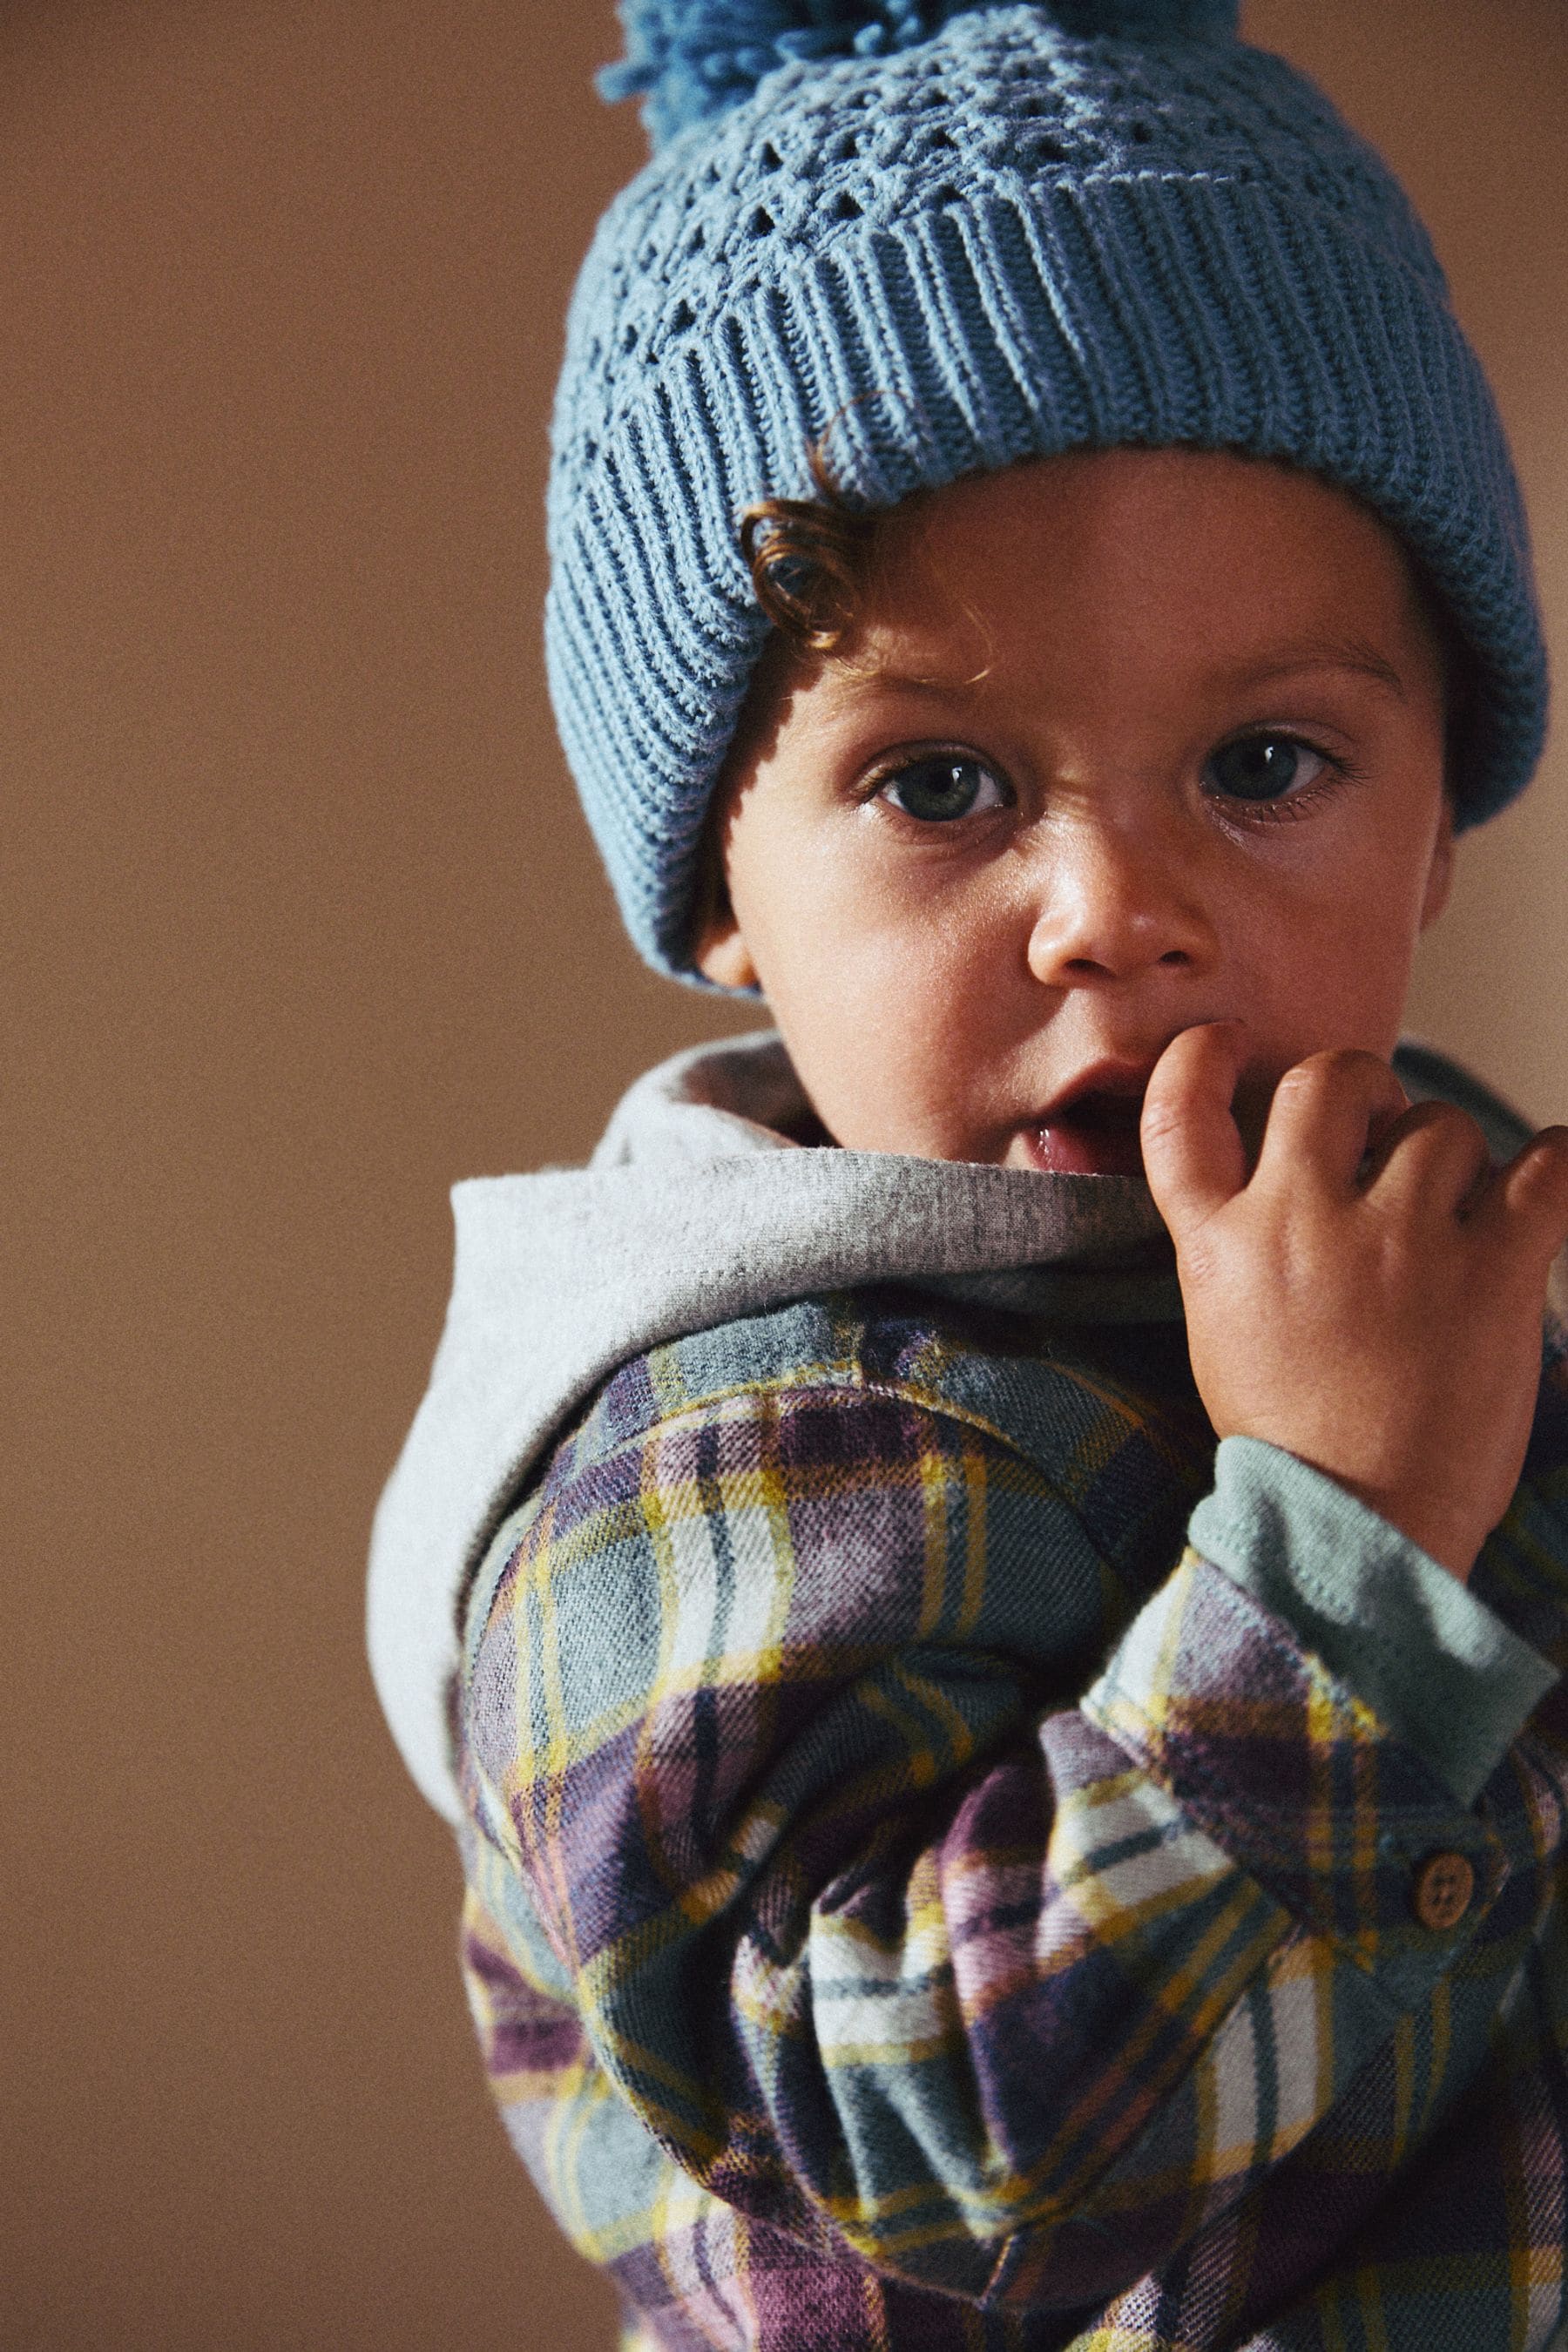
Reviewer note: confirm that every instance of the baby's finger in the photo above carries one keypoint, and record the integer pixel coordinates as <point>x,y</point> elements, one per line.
<point>1327,1113</point>
<point>1531,1192</point>
<point>1193,1153</point>
<point>1433,1158</point>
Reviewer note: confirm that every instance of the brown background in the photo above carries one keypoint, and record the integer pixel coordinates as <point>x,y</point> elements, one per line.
<point>301,925</point>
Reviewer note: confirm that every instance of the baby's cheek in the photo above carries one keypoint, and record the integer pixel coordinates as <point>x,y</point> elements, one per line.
<point>869,1079</point>
<point>1329,972</point>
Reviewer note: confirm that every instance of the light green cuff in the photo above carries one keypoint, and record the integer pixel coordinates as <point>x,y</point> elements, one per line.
<point>1441,1668</point>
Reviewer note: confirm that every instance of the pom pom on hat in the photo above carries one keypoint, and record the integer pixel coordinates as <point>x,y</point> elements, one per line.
<point>692,59</point>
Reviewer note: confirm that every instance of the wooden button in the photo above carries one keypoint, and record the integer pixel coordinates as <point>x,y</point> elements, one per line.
<point>1444,1885</point>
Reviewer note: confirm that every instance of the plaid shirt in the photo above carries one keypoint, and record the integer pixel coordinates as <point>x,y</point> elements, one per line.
<point>916,1902</point>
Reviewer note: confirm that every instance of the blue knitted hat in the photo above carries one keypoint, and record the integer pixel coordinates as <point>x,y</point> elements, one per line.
<point>950,237</point>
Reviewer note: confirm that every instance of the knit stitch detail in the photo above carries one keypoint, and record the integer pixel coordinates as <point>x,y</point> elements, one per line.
<point>695,58</point>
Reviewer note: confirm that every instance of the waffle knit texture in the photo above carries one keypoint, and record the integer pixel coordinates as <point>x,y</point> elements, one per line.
<point>939,239</point>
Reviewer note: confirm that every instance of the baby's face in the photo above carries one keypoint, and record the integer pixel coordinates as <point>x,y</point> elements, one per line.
<point>1122,742</point>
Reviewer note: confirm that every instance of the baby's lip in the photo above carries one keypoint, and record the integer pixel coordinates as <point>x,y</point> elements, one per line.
<point>1110,1082</point>
<point>1091,1127</point>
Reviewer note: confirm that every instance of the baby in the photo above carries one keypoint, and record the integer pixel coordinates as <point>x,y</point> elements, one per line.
<point>986,1589</point>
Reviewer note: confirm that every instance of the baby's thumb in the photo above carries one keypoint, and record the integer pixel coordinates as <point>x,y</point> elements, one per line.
<point>1193,1153</point>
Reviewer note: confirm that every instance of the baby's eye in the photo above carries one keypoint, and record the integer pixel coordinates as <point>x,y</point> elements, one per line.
<point>945,786</point>
<point>1264,767</point>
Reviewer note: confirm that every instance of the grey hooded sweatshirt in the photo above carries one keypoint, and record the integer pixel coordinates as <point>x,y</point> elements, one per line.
<point>700,1207</point>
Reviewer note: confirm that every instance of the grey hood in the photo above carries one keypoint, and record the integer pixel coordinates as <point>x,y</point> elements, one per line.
<point>696,1207</point>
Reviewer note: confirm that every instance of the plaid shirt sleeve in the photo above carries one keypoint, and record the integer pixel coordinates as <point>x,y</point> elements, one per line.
<point>890,1931</point>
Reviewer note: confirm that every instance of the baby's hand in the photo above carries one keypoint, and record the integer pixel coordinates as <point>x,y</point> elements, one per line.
<point>1383,1323</point>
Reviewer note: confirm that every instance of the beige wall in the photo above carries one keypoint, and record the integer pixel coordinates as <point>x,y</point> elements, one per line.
<point>301,924</point>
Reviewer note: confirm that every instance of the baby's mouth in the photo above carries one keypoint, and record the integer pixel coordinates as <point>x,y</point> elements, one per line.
<point>1095,1133</point>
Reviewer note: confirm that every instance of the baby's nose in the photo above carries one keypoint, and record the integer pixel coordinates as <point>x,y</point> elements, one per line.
<point>1113,903</point>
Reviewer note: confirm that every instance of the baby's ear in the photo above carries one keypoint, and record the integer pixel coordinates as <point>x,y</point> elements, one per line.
<point>718,951</point>
<point>1441,873</point>
<point>723,958</point>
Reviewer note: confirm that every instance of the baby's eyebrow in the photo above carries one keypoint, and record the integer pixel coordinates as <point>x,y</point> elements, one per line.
<point>1325,653</point>
<point>873,670</point>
